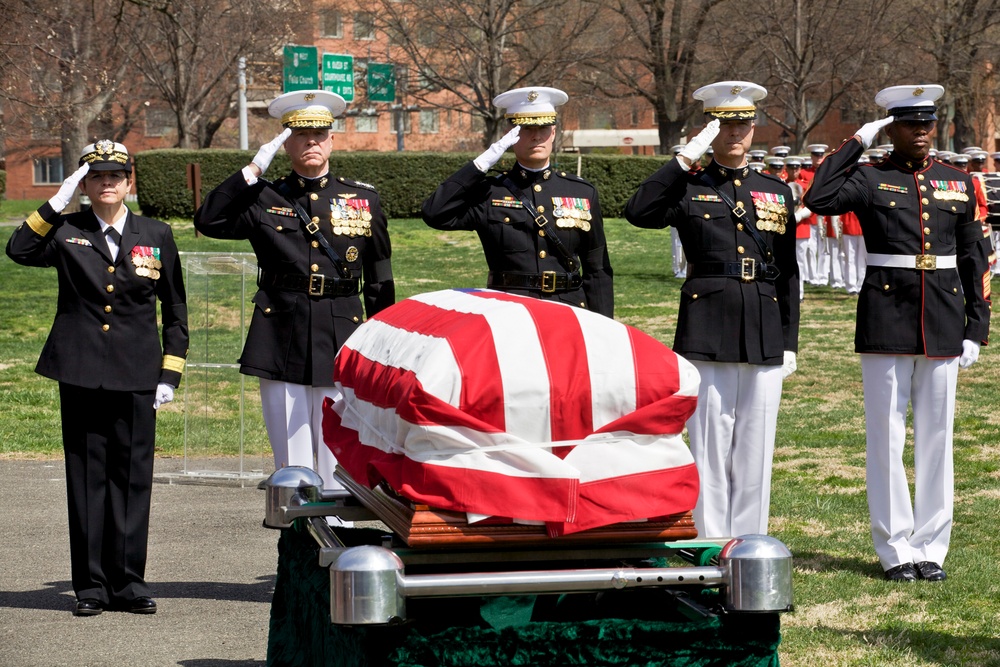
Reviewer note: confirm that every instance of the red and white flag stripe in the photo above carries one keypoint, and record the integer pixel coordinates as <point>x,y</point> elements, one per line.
<point>507,406</point>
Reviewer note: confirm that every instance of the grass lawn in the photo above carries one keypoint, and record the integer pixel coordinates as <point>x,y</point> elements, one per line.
<point>845,614</point>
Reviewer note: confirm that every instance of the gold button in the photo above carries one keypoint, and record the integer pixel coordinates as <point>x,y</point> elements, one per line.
<point>775,298</point>
<point>927,245</point>
<point>111,269</point>
<point>739,226</point>
<point>955,290</point>
<point>315,244</point>
<point>694,296</point>
<point>355,318</point>
<point>892,203</point>
<point>920,176</point>
<point>105,327</point>
<point>537,188</point>
<point>506,219</point>
<point>739,204</point>
<point>279,228</point>
<point>926,216</point>
<point>583,304</point>
<point>925,201</point>
<point>885,287</point>
<point>740,249</point>
<point>314,268</point>
<point>542,254</point>
<point>267,310</point>
<point>107,309</point>
<point>954,209</point>
<point>315,219</point>
<point>313,196</point>
<point>110,288</point>
<point>707,216</point>
<point>923,188</point>
<point>541,232</point>
<point>927,230</point>
<point>541,208</point>
<point>737,182</point>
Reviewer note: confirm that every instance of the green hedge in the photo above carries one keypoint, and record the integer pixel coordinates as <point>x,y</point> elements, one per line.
<point>403,180</point>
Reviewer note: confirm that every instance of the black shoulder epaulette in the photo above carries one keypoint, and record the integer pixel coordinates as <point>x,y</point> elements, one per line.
<point>356,184</point>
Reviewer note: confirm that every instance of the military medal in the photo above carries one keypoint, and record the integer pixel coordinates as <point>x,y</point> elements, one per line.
<point>771,212</point>
<point>352,254</point>
<point>572,212</point>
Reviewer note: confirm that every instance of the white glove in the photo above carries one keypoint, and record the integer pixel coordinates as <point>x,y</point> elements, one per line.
<point>698,146</point>
<point>164,394</point>
<point>789,366</point>
<point>970,353</point>
<point>267,152</point>
<point>66,191</point>
<point>802,214</point>
<point>490,156</point>
<point>869,131</point>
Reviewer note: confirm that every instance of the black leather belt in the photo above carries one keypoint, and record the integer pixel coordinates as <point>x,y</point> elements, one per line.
<point>315,284</point>
<point>747,270</point>
<point>548,282</point>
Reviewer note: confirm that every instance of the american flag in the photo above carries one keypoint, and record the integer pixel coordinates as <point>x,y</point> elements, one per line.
<point>506,406</point>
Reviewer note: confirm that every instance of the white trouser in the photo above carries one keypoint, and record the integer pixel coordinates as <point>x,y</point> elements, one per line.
<point>818,235</point>
<point>854,262</point>
<point>905,532</point>
<point>803,250</point>
<point>833,268</point>
<point>293,416</point>
<point>679,260</point>
<point>732,440</point>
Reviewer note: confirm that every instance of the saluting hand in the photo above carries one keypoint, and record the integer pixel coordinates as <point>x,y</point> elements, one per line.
<point>63,197</point>
<point>869,131</point>
<point>262,160</point>
<point>490,156</point>
<point>698,146</point>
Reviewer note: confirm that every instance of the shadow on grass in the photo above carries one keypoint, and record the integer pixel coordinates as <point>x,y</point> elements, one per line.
<point>933,646</point>
<point>824,562</point>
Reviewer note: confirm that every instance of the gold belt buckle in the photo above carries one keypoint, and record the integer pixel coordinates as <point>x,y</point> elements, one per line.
<point>748,267</point>
<point>926,262</point>
<point>548,281</point>
<point>317,281</point>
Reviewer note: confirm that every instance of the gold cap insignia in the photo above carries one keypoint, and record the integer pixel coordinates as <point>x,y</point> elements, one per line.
<point>351,254</point>
<point>917,92</point>
<point>105,147</point>
<point>309,97</point>
<point>532,96</point>
<point>736,90</point>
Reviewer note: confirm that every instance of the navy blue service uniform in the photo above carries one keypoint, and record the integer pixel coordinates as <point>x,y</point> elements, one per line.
<point>105,351</point>
<point>520,258</point>
<point>304,311</point>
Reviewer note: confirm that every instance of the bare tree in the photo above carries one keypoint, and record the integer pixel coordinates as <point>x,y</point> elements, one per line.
<point>653,53</point>
<point>64,62</point>
<point>814,59</point>
<point>463,53</point>
<point>188,51</point>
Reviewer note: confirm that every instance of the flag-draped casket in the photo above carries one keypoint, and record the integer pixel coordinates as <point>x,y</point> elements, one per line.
<point>505,406</point>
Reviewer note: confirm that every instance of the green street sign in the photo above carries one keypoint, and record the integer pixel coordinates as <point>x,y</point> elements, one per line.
<point>301,71</point>
<point>381,82</point>
<point>338,75</point>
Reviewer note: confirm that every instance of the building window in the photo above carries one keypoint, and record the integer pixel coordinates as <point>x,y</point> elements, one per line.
<point>48,170</point>
<point>160,122</point>
<point>430,121</point>
<point>364,26</point>
<point>366,124</point>
<point>331,24</point>
<point>339,125</point>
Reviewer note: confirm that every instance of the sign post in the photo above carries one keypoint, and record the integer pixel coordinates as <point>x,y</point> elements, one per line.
<point>381,82</point>
<point>338,75</point>
<point>301,70</point>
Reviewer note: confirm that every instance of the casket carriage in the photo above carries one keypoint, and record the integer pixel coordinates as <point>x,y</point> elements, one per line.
<point>515,447</point>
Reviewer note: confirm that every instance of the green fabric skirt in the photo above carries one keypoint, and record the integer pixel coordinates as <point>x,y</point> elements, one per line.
<point>640,628</point>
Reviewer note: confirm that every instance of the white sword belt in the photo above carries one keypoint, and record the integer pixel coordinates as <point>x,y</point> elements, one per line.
<point>919,262</point>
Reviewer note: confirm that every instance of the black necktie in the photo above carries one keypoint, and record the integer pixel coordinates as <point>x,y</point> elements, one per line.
<point>112,236</point>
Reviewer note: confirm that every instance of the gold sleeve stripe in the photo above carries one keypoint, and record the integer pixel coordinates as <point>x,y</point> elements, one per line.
<point>171,363</point>
<point>38,224</point>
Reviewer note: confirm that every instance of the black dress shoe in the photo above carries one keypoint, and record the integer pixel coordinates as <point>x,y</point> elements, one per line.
<point>143,605</point>
<point>904,572</point>
<point>930,571</point>
<point>88,607</point>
